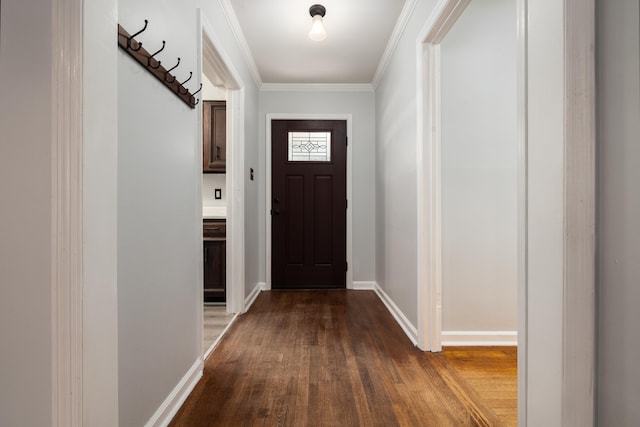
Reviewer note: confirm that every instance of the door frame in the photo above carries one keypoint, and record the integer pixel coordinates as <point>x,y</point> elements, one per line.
<point>429,227</point>
<point>213,53</point>
<point>267,212</point>
<point>562,394</point>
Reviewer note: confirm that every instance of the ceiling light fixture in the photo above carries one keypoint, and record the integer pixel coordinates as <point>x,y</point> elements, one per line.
<point>317,33</point>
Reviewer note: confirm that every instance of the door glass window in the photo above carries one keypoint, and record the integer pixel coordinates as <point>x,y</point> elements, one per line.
<point>309,147</point>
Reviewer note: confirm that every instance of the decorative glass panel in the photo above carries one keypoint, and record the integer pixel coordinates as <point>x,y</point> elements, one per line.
<point>309,147</point>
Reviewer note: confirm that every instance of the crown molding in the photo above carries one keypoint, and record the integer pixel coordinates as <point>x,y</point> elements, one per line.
<point>233,22</point>
<point>398,30</point>
<point>316,87</point>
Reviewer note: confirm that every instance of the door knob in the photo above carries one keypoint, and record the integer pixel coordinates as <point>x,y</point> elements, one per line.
<point>275,212</point>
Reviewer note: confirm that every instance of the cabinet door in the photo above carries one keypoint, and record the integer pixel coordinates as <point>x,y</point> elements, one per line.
<point>214,149</point>
<point>215,271</point>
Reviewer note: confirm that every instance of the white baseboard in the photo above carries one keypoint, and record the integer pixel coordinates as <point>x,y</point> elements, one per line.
<point>402,320</point>
<point>253,295</point>
<point>264,286</point>
<point>471,338</point>
<point>364,286</point>
<point>176,398</point>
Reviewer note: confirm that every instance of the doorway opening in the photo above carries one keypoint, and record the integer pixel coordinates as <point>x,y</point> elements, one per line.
<point>222,192</point>
<point>471,178</point>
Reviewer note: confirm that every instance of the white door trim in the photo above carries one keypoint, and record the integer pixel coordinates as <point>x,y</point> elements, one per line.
<point>428,149</point>
<point>267,212</point>
<point>67,217</point>
<point>522,196</point>
<point>212,50</point>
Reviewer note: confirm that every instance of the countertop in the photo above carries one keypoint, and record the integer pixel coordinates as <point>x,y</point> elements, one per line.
<point>214,212</point>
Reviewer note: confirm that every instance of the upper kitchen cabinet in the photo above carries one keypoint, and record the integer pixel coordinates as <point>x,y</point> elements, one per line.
<point>215,136</point>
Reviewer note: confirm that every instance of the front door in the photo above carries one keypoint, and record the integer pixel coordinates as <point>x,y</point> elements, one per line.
<point>309,204</point>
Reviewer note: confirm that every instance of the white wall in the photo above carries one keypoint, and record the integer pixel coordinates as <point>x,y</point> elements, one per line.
<point>479,155</point>
<point>100,215</point>
<point>25,215</point>
<point>253,191</point>
<point>211,181</point>
<point>618,380</point>
<point>159,237</point>
<point>396,166</point>
<point>361,106</point>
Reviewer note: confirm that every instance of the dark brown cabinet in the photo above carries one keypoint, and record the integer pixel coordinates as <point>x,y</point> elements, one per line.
<point>215,260</point>
<point>214,149</point>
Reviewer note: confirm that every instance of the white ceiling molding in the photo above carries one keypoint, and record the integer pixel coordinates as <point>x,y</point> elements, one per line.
<point>398,30</point>
<point>242,41</point>
<point>316,87</point>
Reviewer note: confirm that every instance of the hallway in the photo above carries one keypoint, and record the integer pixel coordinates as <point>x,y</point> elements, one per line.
<point>336,358</point>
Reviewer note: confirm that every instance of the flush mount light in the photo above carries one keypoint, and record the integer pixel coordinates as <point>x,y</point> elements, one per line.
<point>317,33</point>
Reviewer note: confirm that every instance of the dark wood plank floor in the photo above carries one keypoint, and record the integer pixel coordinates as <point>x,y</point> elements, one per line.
<point>328,358</point>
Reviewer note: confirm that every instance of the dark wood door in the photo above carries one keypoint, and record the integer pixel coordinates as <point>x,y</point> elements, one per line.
<point>309,204</point>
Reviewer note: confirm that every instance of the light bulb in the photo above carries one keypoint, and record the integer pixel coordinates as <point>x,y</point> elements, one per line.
<point>317,33</point>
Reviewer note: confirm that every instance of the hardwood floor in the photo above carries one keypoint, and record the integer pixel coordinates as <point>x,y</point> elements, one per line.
<point>492,372</point>
<point>330,358</point>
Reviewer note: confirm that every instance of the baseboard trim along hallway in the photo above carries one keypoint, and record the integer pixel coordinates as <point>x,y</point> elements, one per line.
<point>479,338</point>
<point>248,301</point>
<point>409,329</point>
<point>364,286</point>
<point>177,397</point>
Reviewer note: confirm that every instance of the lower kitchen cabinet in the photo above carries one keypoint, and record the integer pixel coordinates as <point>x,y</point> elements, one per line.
<point>215,261</point>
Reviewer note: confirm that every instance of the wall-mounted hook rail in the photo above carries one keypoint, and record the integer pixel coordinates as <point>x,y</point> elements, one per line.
<point>134,48</point>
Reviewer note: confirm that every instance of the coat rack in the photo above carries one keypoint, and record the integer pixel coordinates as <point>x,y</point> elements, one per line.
<point>134,48</point>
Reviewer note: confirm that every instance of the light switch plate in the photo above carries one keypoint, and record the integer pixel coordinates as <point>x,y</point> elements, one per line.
<point>218,193</point>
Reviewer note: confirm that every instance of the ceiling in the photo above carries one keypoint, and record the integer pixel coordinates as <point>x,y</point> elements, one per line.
<point>276,32</point>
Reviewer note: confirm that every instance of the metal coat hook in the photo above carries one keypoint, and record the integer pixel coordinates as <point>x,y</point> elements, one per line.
<point>194,97</point>
<point>167,73</point>
<point>152,57</point>
<point>182,84</point>
<point>132,36</point>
